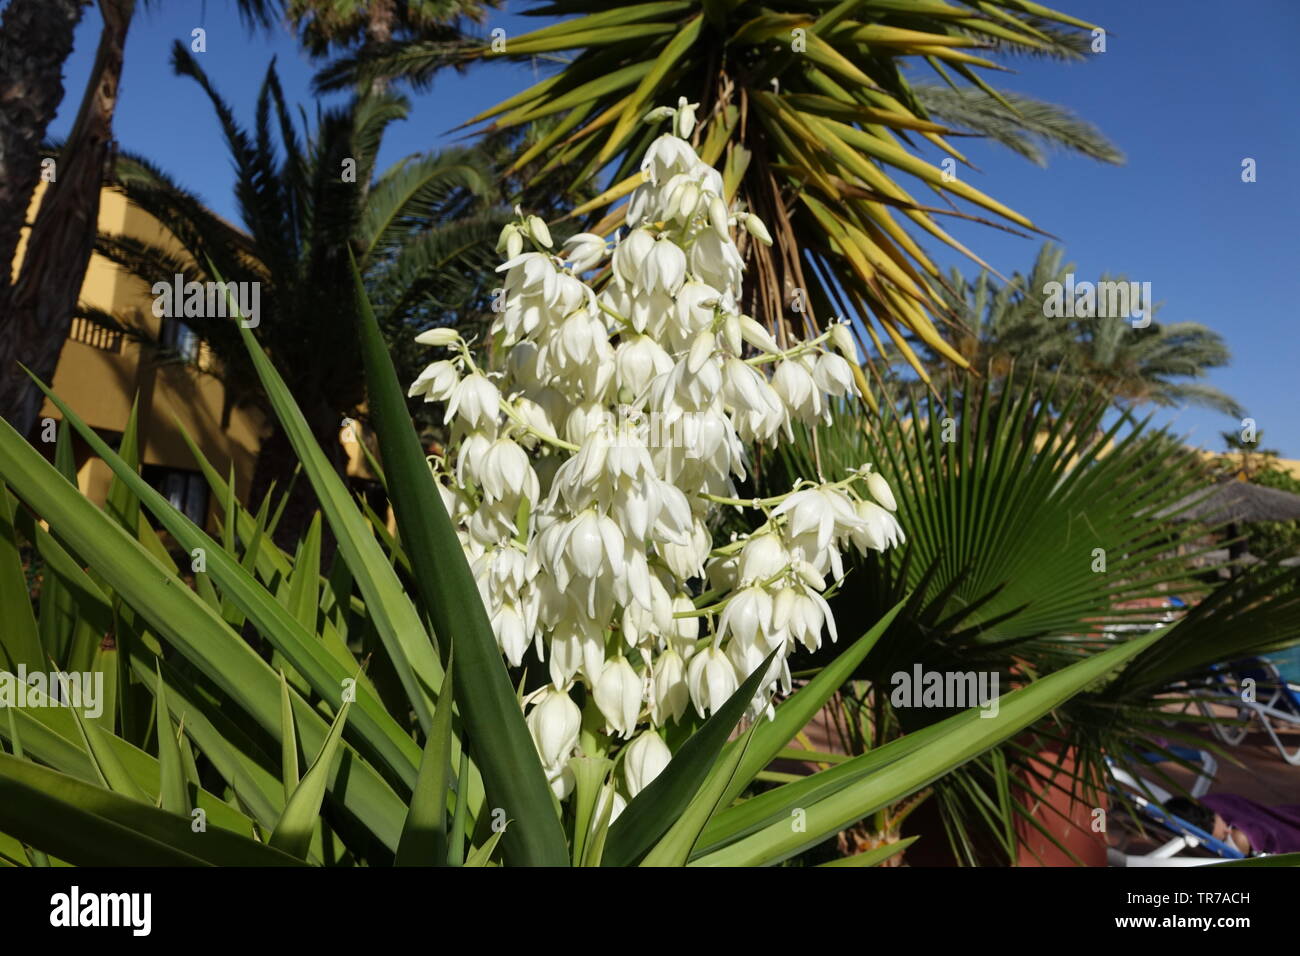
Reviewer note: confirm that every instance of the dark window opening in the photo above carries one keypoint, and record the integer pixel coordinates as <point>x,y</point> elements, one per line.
<point>187,491</point>
<point>180,338</point>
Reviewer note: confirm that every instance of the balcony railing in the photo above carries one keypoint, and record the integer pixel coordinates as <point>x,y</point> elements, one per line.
<point>96,336</point>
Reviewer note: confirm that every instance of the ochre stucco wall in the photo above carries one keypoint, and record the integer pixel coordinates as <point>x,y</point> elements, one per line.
<point>100,386</point>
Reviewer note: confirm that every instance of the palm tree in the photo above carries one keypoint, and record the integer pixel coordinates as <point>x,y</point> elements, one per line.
<point>35,40</point>
<point>1005,331</point>
<point>807,110</point>
<point>420,233</point>
<point>1245,460</point>
<point>367,29</point>
<point>36,310</point>
<point>329,27</point>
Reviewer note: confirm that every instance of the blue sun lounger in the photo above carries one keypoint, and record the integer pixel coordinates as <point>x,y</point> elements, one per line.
<point>1150,798</point>
<point>1275,702</point>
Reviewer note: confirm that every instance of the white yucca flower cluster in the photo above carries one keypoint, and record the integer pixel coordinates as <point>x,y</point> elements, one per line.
<point>585,468</point>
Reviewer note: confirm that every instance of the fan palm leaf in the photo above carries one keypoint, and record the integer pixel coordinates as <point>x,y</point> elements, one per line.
<point>1037,535</point>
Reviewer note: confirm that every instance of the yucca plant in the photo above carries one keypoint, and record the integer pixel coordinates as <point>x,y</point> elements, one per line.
<point>395,698</point>
<point>811,114</point>
<point>1039,533</point>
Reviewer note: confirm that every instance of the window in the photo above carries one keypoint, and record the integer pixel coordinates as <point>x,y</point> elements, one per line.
<point>178,336</point>
<point>185,490</point>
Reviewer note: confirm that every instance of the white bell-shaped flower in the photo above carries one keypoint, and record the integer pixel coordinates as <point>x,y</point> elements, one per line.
<point>476,400</point>
<point>512,632</point>
<point>833,374</point>
<point>664,268</point>
<point>879,529</point>
<point>711,679</point>
<point>506,473</point>
<point>669,694</point>
<point>646,758</point>
<point>554,723</point>
<point>802,613</point>
<point>828,511</point>
<point>618,694</point>
<point>638,359</point>
<point>748,614</point>
<point>631,253</point>
<point>797,388</point>
<point>438,381</point>
<point>532,273</point>
<point>667,156</point>
<point>584,251</point>
<point>763,556</point>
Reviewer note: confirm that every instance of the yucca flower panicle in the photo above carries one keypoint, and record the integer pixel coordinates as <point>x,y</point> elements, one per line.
<point>597,440</point>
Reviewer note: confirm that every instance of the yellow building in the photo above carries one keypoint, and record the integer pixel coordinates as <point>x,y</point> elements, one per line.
<point>1288,465</point>
<point>100,373</point>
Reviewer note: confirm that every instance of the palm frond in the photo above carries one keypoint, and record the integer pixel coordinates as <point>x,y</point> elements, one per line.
<point>809,111</point>
<point>1036,536</point>
<point>1029,130</point>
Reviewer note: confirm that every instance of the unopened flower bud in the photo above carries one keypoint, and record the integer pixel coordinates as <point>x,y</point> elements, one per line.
<point>701,350</point>
<point>754,226</point>
<point>756,335</point>
<point>842,339</point>
<point>537,229</point>
<point>732,334</point>
<point>507,231</point>
<point>657,114</point>
<point>881,491</point>
<point>687,199</point>
<point>584,251</point>
<point>718,218</point>
<point>685,117</point>
<point>438,337</point>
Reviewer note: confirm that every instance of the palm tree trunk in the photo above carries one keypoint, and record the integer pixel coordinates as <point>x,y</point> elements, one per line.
<point>63,236</point>
<point>277,469</point>
<point>381,15</point>
<point>35,40</point>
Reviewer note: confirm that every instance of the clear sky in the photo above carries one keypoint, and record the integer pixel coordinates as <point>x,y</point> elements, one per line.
<point>1186,88</point>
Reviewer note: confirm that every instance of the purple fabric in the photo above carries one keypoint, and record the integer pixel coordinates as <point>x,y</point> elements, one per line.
<point>1269,829</point>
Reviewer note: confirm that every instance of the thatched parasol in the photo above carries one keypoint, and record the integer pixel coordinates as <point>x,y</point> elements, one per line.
<point>1235,502</point>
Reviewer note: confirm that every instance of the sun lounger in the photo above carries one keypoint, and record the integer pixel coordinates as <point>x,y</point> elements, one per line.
<point>1275,703</point>
<point>1149,798</point>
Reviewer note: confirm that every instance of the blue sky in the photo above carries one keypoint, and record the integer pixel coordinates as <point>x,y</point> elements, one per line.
<point>1186,88</point>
